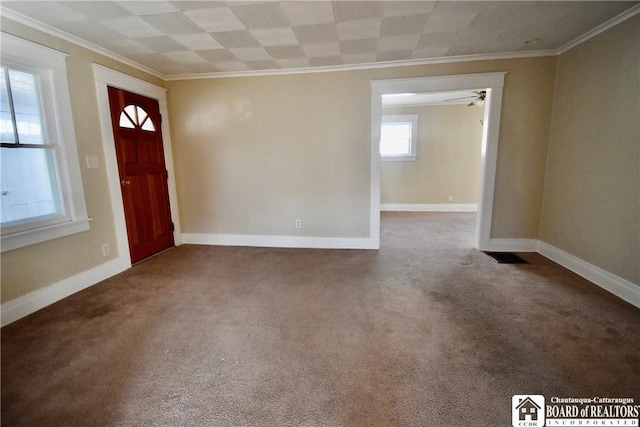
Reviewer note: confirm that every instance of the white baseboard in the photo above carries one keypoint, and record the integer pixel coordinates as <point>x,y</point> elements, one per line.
<point>512,245</point>
<point>618,286</point>
<point>279,241</point>
<point>34,301</point>
<point>447,207</point>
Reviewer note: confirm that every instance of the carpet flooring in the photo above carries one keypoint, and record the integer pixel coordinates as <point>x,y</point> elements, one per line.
<point>424,332</point>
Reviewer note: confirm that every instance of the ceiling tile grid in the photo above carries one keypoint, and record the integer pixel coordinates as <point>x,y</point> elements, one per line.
<point>196,37</point>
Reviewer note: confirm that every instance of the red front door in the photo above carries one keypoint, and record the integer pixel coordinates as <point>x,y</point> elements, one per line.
<point>143,175</point>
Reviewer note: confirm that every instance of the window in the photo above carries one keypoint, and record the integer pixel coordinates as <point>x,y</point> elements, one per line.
<point>41,189</point>
<point>398,137</point>
<point>134,115</point>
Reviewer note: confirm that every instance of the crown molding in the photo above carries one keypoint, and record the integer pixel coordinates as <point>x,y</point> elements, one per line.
<point>37,25</point>
<point>25,20</point>
<point>629,13</point>
<point>367,66</point>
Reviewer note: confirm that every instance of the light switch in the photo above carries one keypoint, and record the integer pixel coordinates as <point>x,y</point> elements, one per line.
<point>92,162</point>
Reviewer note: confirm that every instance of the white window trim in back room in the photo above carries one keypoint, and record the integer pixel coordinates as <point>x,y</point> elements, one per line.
<point>413,143</point>
<point>51,66</point>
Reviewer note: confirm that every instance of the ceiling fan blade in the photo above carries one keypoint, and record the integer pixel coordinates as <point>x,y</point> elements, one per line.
<point>455,99</point>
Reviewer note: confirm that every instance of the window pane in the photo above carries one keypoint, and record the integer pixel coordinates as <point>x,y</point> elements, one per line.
<point>29,184</point>
<point>395,139</point>
<point>148,125</point>
<point>141,114</point>
<point>131,111</point>
<point>26,104</point>
<point>125,121</point>
<point>6,124</point>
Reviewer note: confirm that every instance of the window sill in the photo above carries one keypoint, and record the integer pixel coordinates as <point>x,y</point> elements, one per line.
<point>42,234</point>
<point>399,159</point>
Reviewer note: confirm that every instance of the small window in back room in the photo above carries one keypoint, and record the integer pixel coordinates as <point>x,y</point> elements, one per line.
<point>398,137</point>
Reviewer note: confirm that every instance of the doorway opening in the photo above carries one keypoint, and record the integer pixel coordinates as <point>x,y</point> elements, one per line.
<point>491,85</point>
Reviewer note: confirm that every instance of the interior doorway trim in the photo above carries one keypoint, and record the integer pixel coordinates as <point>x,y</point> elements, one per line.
<point>493,83</point>
<point>105,77</point>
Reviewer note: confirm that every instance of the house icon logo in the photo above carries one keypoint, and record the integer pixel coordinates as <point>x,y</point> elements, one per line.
<point>527,410</point>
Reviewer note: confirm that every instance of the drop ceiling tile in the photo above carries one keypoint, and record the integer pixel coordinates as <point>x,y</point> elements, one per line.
<point>172,23</point>
<point>316,33</point>
<point>349,47</point>
<point>293,63</point>
<point>217,55</point>
<point>91,31</point>
<point>365,29</point>
<point>231,39</point>
<point>398,25</point>
<point>285,52</point>
<point>430,52</point>
<point>359,58</point>
<point>452,16</point>
<point>316,50</point>
<point>262,65</point>
<point>197,41</point>
<point>390,44</point>
<point>98,10</point>
<point>283,36</point>
<point>407,8</point>
<point>394,55</point>
<point>251,54</point>
<point>133,27</point>
<point>203,68</point>
<point>260,15</point>
<point>48,12</point>
<point>436,39</point>
<point>171,68</point>
<point>357,10</point>
<point>477,37</point>
<point>185,57</point>
<point>184,5</point>
<point>217,19</point>
<point>148,7</point>
<point>152,60</point>
<point>229,66</point>
<point>126,47</point>
<point>325,61</point>
<point>161,44</point>
<point>308,12</point>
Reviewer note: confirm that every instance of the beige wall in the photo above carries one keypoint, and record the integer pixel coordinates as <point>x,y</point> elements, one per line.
<point>448,158</point>
<point>592,197</point>
<point>253,154</point>
<point>34,267</point>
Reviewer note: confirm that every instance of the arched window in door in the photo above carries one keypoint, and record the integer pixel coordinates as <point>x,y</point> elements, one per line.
<point>134,116</point>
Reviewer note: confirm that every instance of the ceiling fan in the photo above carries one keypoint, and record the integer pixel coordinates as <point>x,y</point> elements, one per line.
<point>478,98</point>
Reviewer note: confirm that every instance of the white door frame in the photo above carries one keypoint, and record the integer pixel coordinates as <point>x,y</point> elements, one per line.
<point>493,83</point>
<point>105,77</point>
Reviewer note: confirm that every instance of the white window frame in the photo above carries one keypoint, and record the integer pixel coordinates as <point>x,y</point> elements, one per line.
<point>52,71</point>
<point>403,118</point>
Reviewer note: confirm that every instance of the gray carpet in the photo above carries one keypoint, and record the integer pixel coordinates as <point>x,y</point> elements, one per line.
<point>425,332</point>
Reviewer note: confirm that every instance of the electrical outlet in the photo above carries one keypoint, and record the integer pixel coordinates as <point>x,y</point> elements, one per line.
<point>92,162</point>
<point>298,223</point>
<point>450,198</point>
<point>105,249</point>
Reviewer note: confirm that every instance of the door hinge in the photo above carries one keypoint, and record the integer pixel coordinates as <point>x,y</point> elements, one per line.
<point>173,227</point>
<point>166,173</point>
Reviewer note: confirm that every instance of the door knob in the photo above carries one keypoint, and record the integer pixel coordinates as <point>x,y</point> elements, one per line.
<point>125,182</point>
